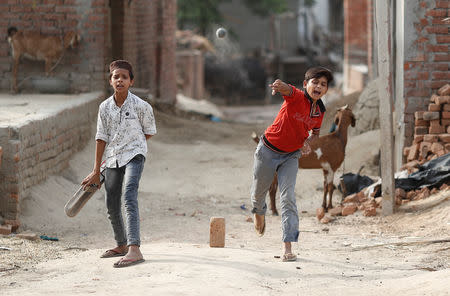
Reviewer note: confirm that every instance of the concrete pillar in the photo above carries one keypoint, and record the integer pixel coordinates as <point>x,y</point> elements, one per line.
<point>385,71</point>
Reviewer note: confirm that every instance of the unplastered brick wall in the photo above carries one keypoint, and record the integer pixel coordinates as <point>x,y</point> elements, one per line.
<point>83,66</point>
<point>34,151</point>
<point>427,58</point>
<point>431,131</point>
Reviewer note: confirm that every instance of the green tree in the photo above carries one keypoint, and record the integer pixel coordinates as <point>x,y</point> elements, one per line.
<point>204,14</point>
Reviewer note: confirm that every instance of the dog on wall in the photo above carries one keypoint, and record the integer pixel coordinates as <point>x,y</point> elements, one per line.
<point>36,46</point>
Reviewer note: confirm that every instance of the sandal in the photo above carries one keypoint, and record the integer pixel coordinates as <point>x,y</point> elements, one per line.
<point>127,262</point>
<point>289,257</point>
<point>112,253</point>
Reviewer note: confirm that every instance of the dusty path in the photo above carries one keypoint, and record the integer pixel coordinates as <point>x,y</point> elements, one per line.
<point>200,169</point>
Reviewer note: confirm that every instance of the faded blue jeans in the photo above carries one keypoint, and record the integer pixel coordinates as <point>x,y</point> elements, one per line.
<point>124,179</point>
<point>268,162</point>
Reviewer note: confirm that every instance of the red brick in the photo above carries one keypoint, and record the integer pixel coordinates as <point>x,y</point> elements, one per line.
<point>447,148</point>
<point>5,229</point>
<point>448,129</point>
<point>443,39</point>
<point>436,129</point>
<point>425,147</point>
<point>444,138</point>
<point>445,114</point>
<point>444,90</point>
<point>406,149</point>
<point>446,107</point>
<point>440,100</point>
<point>436,147</point>
<point>418,92</point>
<point>441,75</point>
<point>434,107</point>
<point>336,211</point>
<point>445,122</point>
<point>430,138</point>
<point>411,194</point>
<point>436,12</point>
<point>427,115</point>
<point>419,122</point>
<point>437,30</point>
<point>399,192</point>
<point>418,114</point>
<point>418,138</point>
<point>15,224</point>
<point>413,152</point>
<point>442,4</point>
<point>421,130</point>
<point>349,209</point>
<point>441,58</point>
<point>370,211</point>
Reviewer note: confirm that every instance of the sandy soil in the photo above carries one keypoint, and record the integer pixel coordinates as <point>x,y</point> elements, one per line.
<point>201,169</point>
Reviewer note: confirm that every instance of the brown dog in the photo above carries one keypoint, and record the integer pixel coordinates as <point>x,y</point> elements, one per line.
<point>36,46</point>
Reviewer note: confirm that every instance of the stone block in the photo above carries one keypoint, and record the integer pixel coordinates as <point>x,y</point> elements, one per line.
<point>217,232</point>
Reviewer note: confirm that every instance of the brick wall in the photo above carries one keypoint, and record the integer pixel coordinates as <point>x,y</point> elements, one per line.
<point>37,149</point>
<point>427,58</point>
<point>83,66</point>
<point>131,30</point>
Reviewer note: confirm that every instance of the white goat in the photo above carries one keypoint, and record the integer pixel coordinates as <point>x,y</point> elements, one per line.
<point>327,153</point>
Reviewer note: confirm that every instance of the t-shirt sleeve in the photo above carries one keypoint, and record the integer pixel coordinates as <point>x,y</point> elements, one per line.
<point>101,125</point>
<point>294,95</point>
<point>148,120</point>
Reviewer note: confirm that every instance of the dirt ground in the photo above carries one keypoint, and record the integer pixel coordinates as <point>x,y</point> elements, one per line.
<point>199,169</point>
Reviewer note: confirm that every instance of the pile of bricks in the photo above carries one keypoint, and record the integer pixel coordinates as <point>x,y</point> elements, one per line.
<point>362,201</point>
<point>431,132</point>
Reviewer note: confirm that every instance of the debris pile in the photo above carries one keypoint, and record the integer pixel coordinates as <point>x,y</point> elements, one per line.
<point>431,132</point>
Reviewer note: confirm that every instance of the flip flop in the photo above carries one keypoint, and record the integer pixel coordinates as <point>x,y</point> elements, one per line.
<point>112,253</point>
<point>127,262</point>
<point>289,257</point>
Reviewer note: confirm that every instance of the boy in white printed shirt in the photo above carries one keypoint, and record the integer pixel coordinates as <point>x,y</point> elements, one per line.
<point>124,124</point>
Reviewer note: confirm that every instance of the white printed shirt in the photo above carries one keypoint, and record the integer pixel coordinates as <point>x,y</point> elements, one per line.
<point>124,129</point>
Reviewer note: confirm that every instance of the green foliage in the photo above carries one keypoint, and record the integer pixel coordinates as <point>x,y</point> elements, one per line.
<point>202,14</point>
<point>266,7</point>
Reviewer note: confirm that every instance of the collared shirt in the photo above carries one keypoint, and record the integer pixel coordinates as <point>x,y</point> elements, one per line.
<point>298,115</point>
<point>124,129</point>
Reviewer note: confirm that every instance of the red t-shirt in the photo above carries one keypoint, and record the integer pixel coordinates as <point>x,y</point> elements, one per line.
<point>295,119</point>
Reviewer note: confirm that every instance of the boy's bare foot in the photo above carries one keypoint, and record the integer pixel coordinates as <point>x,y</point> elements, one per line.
<point>260,224</point>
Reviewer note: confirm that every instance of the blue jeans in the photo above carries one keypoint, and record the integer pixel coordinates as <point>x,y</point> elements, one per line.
<point>128,177</point>
<point>268,162</point>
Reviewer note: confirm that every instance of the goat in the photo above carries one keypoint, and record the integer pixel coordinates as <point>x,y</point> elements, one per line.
<point>327,153</point>
<point>36,46</point>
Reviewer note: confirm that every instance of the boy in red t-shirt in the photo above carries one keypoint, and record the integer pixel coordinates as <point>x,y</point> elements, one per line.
<point>282,144</point>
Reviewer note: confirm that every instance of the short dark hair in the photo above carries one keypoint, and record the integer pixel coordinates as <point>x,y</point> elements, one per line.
<point>317,72</point>
<point>121,64</point>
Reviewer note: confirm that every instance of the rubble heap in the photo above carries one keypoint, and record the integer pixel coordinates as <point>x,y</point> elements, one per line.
<point>431,132</point>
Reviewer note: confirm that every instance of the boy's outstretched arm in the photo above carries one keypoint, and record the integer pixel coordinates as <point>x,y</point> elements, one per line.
<point>94,176</point>
<point>281,87</point>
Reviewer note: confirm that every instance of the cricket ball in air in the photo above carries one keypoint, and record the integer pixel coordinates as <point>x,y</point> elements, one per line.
<point>221,33</point>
